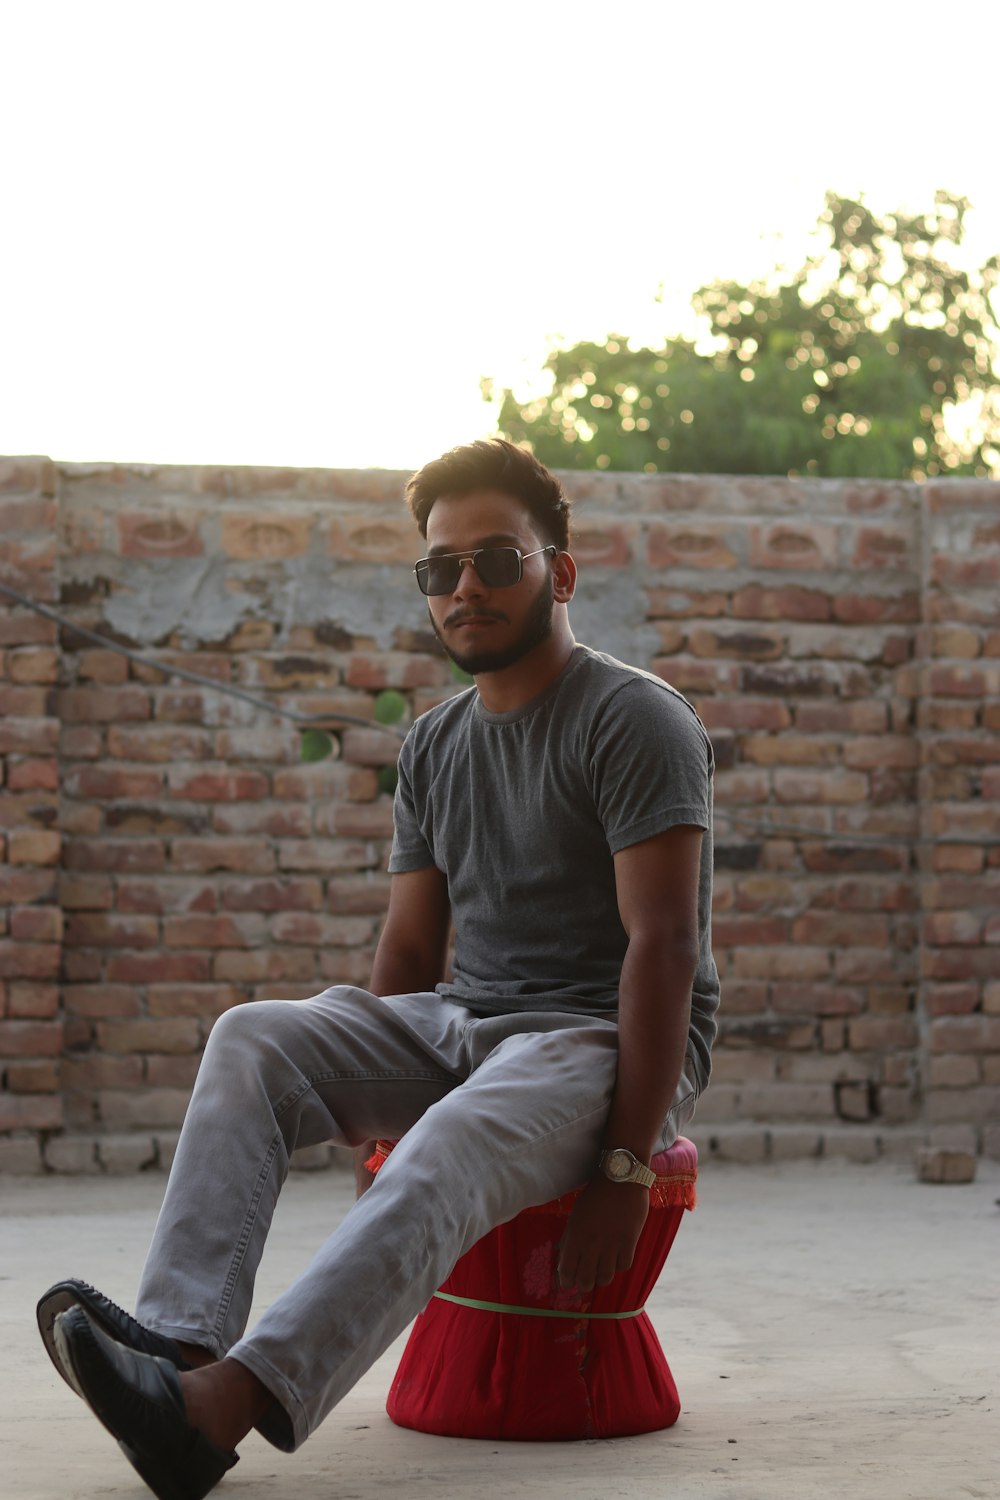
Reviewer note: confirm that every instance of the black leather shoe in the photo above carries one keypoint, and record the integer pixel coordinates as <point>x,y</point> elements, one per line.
<point>138,1398</point>
<point>108,1316</point>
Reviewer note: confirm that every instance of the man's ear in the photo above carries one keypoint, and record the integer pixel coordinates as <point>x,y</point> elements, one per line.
<point>563,578</point>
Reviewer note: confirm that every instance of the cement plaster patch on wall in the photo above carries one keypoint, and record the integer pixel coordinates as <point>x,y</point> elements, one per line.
<point>185,595</point>
<point>364,599</point>
<point>610,616</point>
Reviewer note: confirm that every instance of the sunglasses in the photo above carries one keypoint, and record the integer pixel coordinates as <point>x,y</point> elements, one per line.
<point>497,568</point>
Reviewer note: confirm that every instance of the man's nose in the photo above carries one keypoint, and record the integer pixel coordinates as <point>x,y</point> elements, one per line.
<point>469,584</point>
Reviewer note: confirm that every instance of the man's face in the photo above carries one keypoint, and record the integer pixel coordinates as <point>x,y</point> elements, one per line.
<point>484,629</point>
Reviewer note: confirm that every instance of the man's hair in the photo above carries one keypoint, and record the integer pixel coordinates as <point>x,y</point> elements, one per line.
<point>493,465</point>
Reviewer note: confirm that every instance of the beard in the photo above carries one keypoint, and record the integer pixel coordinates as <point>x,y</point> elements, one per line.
<point>537,627</point>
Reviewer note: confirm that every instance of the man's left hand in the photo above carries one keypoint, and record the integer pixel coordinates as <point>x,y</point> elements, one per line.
<point>602,1233</point>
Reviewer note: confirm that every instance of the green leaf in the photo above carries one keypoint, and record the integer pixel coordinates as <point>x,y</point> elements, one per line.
<point>387,778</point>
<point>315,744</point>
<point>390,706</point>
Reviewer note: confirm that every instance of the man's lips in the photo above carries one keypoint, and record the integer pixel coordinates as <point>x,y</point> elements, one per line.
<point>473,622</point>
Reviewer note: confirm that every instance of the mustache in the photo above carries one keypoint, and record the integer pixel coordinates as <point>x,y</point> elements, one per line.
<point>459,615</point>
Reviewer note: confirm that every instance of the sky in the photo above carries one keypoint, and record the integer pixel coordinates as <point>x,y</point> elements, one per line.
<point>300,233</point>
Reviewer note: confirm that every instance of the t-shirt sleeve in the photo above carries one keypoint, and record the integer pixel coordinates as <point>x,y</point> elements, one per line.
<point>410,849</point>
<point>651,763</point>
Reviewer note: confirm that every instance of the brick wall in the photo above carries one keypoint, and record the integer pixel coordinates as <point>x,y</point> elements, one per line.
<point>840,640</point>
<point>31,922</point>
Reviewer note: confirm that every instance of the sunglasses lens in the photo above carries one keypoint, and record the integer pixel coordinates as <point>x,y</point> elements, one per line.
<point>499,567</point>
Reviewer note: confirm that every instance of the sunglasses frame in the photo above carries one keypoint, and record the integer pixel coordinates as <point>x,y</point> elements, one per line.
<point>460,558</point>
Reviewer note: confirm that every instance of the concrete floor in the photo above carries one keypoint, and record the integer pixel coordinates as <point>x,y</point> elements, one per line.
<point>833,1330</point>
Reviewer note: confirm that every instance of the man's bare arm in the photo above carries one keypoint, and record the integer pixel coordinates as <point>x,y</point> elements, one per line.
<point>411,954</point>
<point>657,885</point>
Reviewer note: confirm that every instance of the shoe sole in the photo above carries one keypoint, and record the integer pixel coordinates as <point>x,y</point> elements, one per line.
<point>61,1299</point>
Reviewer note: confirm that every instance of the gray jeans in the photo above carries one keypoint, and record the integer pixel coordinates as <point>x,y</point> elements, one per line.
<point>495,1112</point>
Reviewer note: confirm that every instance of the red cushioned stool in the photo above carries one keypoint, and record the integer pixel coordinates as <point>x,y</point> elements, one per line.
<point>501,1352</point>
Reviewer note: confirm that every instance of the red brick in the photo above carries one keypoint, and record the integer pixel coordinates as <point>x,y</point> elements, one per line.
<point>957,857</point>
<point>690,676</point>
<point>278,820</point>
<point>31,1038</point>
<point>33,1078</point>
<point>32,999</point>
<point>369,747</point>
<point>756,602</point>
<point>106,667</point>
<point>372,820</point>
<point>36,924</point>
<point>870,608</point>
<point>202,1000</point>
<point>603,542</point>
<point>108,784</point>
<point>880,1033</point>
<point>943,928</point>
<point>24,628</point>
<point>100,1001</point>
<point>332,855</point>
<point>172,1072</point>
<point>206,931</point>
<point>158,968</point>
<point>176,1034</point>
<point>168,894</point>
<point>28,736</point>
<point>242,966</point>
<point>23,702</point>
<point>837,929</point>
<point>217,785</point>
<point>175,534</point>
<point>86,929</point>
<point>256,538</point>
<point>732,932</point>
<point>145,1108</point>
<point>80,742</point>
<point>820,787</point>
<point>345,966</point>
<point>31,1112</point>
<point>33,664</point>
<point>125,855</point>
<point>246,855</point>
<point>795,545</point>
<point>672,603</point>
<point>97,705</point>
<point>273,895</point>
<point>884,547</point>
<point>159,742</point>
<point>29,960</point>
<point>23,884</point>
<point>99,1071</point>
<point>33,775</point>
<point>964,681</point>
<point>955,999</point>
<point>959,963</point>
<point>743,713</point>
<point>374,539</point>
<point>881,751</point>
<point>965,1034</point>
<point>700,544</point>
<point>815,1000</point>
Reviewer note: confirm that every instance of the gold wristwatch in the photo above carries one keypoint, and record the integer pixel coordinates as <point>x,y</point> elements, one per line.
<point>621,1166</point>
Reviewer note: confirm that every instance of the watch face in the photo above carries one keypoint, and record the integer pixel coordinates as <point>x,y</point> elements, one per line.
<point>619,1165</point>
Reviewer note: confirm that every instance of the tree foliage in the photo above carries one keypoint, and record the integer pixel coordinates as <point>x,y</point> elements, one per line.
<point>848,366</point>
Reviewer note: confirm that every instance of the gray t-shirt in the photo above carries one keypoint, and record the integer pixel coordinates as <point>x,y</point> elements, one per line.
<point>523,811</point>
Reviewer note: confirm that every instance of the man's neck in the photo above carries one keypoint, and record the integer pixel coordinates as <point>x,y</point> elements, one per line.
<point>502,692</point>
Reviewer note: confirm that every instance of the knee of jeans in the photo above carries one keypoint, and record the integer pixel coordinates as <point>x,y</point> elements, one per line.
<point>243,1026</point>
